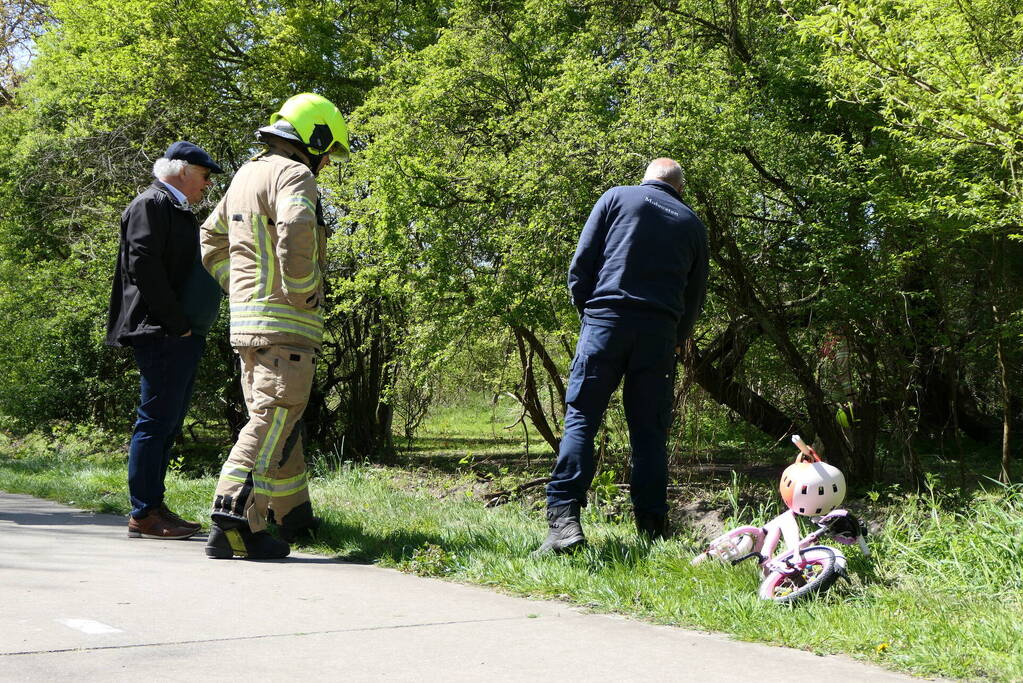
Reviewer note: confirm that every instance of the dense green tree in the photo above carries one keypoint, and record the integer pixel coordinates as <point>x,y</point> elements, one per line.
<point>111,86</point>
<point>489,147</point>
<point>856,164</point>
<point>946,79</point>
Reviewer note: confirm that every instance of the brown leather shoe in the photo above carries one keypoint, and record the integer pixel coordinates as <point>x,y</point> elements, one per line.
<point>172,516</point>
<point>155,525</point>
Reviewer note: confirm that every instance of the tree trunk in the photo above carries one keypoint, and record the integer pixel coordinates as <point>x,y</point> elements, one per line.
<point>750,406</point>
<point>346,405</point>
<point>1003,372</point>
<point>729,259</point>
<point>548,363</point>
<point>528,395</point>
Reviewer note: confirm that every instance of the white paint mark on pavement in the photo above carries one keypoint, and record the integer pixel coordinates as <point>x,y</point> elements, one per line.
<point>89,626</point>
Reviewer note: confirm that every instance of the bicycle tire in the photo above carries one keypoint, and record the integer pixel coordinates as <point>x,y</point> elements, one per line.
<point>821,568</point>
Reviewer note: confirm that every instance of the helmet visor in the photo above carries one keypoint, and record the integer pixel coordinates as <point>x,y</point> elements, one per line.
<point>337,153</point>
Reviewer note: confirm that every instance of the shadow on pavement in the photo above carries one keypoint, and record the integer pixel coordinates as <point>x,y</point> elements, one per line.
<point>337,542</point>
<point>61,519</point>
<point>291,559</point>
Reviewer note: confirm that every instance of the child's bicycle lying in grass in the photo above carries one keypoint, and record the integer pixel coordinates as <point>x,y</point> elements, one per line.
<point>811,488</point>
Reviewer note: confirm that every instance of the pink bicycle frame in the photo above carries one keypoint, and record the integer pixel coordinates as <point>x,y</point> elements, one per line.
<point>785,528</point>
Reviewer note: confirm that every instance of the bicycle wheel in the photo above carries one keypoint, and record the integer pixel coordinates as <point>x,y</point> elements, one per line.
<point>820,568</point>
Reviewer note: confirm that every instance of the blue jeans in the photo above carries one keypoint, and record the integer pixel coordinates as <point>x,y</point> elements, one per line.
<point>645,357</point>
<point>167,366</point>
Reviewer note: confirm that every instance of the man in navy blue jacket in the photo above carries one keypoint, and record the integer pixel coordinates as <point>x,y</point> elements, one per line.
<point>638,279</point>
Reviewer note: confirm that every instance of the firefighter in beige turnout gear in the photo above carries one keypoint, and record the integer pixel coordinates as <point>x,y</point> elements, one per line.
<point>265,243</point>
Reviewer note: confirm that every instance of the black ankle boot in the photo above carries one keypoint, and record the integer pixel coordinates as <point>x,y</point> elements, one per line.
<point>650,526</point>
<point>566,532</point>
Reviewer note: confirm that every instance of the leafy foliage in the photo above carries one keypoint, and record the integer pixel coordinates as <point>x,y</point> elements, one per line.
<point>856,164</point>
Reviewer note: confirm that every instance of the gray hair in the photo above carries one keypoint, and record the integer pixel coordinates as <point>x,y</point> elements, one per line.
<point>168,168</point>
<point>665,169</point>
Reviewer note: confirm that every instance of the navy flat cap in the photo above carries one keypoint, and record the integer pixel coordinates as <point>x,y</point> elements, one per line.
<point>193,154</point>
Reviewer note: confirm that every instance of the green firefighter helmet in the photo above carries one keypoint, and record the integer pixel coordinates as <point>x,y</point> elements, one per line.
<point>314,121</point>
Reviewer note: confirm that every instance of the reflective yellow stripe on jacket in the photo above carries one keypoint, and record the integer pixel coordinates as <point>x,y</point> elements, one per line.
<point>258,317</point>
<point>265,255</point>
<point>301,285</point>
<point>221,272</point>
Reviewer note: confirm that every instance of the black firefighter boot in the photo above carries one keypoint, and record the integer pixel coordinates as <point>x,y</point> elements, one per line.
<point>232,538</point>
<point>299,525</point>
<point>650,526</point>
<point>566,533</point>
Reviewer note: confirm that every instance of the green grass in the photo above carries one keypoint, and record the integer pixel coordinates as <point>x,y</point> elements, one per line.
<point>942,596</point>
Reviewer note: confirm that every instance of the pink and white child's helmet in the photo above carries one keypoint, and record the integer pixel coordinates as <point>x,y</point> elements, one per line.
<point>810,486</point>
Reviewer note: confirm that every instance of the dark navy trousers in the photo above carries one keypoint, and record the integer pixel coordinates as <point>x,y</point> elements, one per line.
<point>644,355</point>
<point>167,366</point>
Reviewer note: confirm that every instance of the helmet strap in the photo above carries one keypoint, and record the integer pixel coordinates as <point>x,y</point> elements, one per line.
<point>309,160</point>
<point>314,161</point>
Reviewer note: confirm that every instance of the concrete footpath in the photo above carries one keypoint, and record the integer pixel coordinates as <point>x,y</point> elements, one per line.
<point>80,600</point>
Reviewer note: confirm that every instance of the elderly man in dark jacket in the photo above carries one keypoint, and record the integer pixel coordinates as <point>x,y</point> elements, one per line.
<point>162,305</point>
<point>638,279</point>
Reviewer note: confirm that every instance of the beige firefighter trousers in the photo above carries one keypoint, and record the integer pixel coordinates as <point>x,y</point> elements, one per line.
<point>266,467</point>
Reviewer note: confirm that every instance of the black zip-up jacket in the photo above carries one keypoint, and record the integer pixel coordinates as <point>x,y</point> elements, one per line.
<point>159,247</point>
<point>642,259</point>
